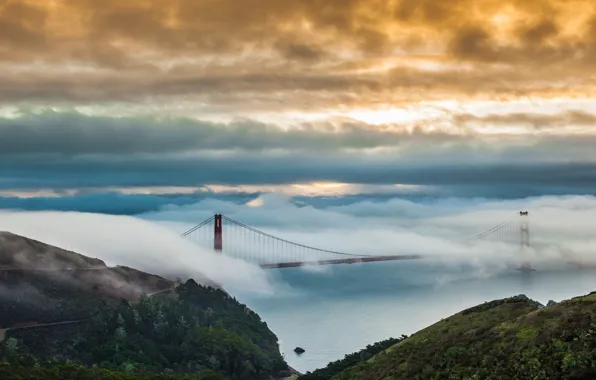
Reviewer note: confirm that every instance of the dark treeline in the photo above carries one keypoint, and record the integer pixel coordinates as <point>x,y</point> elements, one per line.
<point>198,330</point>
<point>69,371</point>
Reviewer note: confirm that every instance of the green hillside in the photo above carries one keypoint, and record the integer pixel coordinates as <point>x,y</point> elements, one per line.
<point>62,372</point>
<point>514,338</point>
<point>123,323</point>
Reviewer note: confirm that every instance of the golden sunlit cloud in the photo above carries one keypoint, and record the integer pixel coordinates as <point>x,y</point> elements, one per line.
<point>138,48</point>
<point>408,66</point>
<point>258,202</point>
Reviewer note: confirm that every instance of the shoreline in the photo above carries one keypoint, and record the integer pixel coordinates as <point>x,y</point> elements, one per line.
<point>294,374</point>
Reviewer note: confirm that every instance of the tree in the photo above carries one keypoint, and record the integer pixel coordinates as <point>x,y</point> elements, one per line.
<point>120,334</point>
<point>11,345</point>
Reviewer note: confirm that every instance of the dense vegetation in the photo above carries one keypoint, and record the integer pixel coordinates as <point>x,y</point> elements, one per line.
<point>55,296</point>
<point>514,338</point>
<point>349,360</point>
<point>109,328</point>
<point>44,297</point>
<point>197,330</point>
<point>61,372</point>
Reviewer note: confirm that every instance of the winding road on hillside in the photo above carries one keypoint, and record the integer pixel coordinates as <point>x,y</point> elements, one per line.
<point>5,330</point>
<point>55,269</point>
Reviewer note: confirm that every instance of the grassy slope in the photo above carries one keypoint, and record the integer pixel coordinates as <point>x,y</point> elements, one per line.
<point>514,338</point>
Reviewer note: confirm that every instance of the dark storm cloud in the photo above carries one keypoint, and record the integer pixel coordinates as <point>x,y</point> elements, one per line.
<point>73,134</point>
<point>102,202</point>
<point>302,51</point>
<point>56,173</point>
<point>115,203</point>
<point>223,88</point>
<point>60,150</point>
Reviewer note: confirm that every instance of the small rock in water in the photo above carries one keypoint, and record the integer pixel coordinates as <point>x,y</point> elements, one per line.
<point>299,350</point>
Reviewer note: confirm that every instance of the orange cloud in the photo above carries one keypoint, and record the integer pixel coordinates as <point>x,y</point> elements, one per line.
<point>331,53</point>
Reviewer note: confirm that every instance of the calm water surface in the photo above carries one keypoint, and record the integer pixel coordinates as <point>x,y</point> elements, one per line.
<point>343,308</point>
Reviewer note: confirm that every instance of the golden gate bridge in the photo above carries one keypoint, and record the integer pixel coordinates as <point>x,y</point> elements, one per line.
<point>269,252</point>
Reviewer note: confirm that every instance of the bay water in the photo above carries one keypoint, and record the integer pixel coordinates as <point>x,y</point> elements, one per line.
<point>336,310</point>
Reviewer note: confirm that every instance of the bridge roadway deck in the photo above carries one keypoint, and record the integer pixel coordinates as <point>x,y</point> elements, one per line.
<point>351,260</point>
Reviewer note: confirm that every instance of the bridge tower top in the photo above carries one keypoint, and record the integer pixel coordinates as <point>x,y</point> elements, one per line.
<point>217,233</point>
<point>524,231</point>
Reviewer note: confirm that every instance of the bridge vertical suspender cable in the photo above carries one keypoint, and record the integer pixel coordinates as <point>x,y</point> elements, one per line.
<point>275,239</point>
<point>250,244</point>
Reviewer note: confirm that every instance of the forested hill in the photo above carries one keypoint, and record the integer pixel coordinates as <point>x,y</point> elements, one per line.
<point>514,338</point>
<point>192,330</point>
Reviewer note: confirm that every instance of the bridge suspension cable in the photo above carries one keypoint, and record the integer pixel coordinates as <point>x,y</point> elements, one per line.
<point>205,222</point>
<point>289,242</point>
<point>490,231</point>
<point>509,227</point>
<point>269,251</point>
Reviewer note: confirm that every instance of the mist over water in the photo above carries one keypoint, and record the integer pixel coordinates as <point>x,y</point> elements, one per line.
<point>342,310</point>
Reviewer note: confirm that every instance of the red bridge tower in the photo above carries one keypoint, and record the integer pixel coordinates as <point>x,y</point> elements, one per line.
<point>218,236</point>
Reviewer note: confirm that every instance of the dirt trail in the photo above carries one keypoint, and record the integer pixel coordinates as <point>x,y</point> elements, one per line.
<point>3,331</point>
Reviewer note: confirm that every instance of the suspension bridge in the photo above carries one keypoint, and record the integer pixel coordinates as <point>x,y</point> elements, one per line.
<point>269,251</point>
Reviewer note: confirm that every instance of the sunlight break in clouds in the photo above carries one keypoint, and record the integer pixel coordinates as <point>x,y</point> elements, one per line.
<point>135,243</point>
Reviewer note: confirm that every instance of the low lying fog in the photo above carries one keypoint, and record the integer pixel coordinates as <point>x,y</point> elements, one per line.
<point>136,243</point>
<point>561,228</point>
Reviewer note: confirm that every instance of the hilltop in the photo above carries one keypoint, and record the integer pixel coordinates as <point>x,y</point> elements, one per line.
<point>513,338</point>
<point>60,308</point>
<point>42,283</point>
<point>19,252</point>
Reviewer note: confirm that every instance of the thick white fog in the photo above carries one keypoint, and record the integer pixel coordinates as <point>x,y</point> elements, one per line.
<point>562,228</point>
<point>129,241</point>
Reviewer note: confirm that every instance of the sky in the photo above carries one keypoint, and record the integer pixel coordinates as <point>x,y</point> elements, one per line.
<point>296,113</point>
<point>124,107</point>
<point>363,126</point>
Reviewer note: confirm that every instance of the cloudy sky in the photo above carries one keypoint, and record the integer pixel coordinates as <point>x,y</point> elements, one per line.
<point>123,107</point>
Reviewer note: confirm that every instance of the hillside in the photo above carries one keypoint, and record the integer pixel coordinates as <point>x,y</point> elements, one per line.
<point>192,331</point>
<point>41,283</point>
<point>123,320</point>
<point>514,338</point>
<point>61,372</point>
<point>19,252</point>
